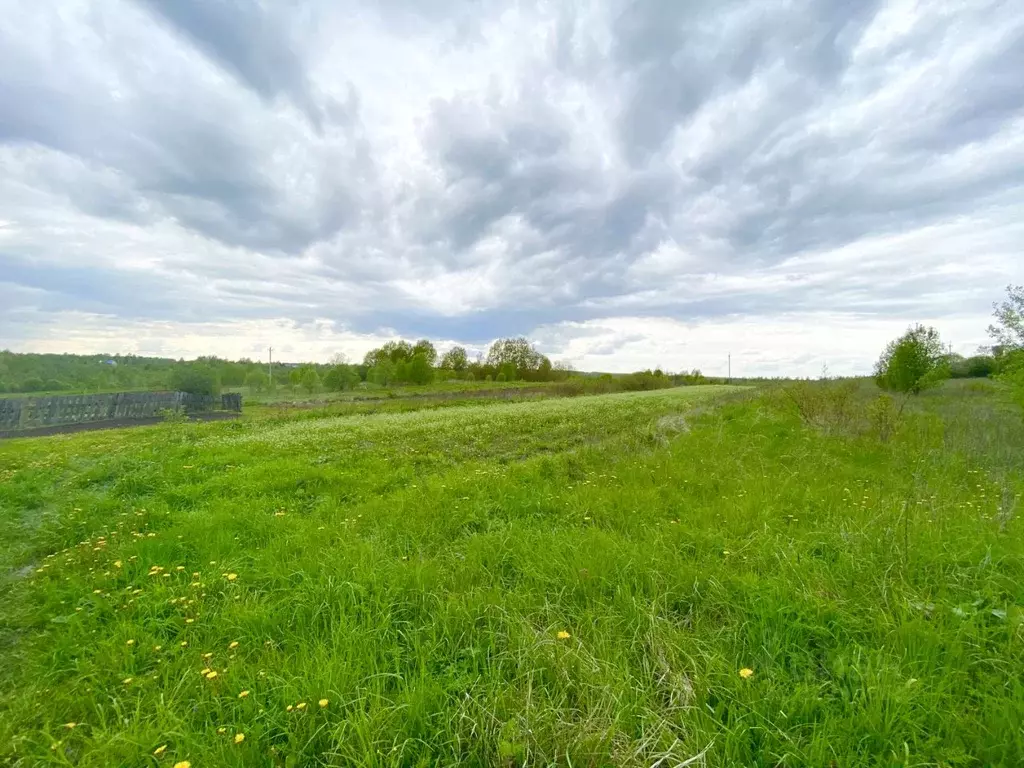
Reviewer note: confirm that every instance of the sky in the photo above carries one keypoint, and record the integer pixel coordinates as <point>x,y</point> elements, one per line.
<point>628,183</point>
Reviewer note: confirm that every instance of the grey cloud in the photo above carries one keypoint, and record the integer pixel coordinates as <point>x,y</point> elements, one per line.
<point>249,40</point>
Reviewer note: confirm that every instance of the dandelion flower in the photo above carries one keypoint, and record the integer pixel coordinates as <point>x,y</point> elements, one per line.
<point>157,647</point>
<point>239,738</point>
<point>189,621</point>
<point>746,673</point>
<point>231,576</point>
<point>324,703</point>
<point>222,730</point>
<point>117,563</point>
<point>204,671</point>
<point>130,642</point>
<point>69,726</point>
<point>233,645</point>
<point>243,694</point>
<point>128,680</point>
<point>289,708</point>
<point>183,764</point>
<point>184,643</point>
<point>160,750</point>
<point>301,705</point>
<point>208,655</point>
<point>563,635</point>
<point>211,674</point>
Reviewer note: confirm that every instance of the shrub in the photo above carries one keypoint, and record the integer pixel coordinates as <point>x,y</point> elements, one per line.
<point>913,362</point>
<point>256,381</point>
<point>980,367</point>
<point>195,379</point>
<point>826,405</point>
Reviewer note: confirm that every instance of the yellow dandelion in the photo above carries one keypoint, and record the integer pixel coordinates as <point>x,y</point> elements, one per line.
<point>301,705</point>
<point>69,726</point>
<point>184,643</point>
<point>289,708</point>
<point>324,703</point>
<point>160,750</point>
<point>189,621</point>
<point>208,655</point>
<point>117,563</point>
<point>222,730</point>
<point>128,680</point>
<point>180,568</point>
<point>130,642</point>
<point>183,764</point>
<point>243,694</point>
<point>232,645</point>
<point>239,738</point>
<point>211,674</point>
<point>204,671</point>
<point>563,635</point>
<point>746,673</point>
<point>157,647</point>
<point>231,576</point>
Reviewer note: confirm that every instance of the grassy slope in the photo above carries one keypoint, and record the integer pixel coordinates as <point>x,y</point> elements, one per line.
<point>426,562</point>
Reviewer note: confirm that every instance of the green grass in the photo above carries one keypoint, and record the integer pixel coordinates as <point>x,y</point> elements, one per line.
<point>415,570</point>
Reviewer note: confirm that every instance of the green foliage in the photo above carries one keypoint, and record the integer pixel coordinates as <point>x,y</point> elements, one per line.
<point>518,359</point>
<point>420,370</point>
<point>455,359</point>
<point>1012,374</point>
<point>306,376</point>
<point>256,381</point>
<point>196,379</point>
<point>426,348</point>
<point>1008,329</point>
<point>912,363</point>
<point>340,378</point>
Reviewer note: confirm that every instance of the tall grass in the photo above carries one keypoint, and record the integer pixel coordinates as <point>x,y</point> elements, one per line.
<point>555,582</point>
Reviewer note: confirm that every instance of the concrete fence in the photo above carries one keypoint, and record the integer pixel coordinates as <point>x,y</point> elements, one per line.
<point>53,410</point>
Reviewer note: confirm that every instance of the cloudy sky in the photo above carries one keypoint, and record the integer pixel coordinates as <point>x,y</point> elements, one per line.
<point>628,183</point>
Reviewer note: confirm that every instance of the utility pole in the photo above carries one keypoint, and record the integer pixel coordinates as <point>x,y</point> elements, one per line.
<point>729,381</point>
<point>270,368</point>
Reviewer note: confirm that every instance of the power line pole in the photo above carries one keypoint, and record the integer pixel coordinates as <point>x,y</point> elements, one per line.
<point>270,367</point>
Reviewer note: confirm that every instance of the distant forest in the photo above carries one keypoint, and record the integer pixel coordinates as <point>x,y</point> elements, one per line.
<point>396,363</point>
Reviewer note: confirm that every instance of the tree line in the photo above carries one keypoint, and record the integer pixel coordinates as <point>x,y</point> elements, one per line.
<point>395,363</point>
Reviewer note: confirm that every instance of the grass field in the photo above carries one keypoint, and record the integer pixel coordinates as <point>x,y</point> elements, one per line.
<point>690,576</point>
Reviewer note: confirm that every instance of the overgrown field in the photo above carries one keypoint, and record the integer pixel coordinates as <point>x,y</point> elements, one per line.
<point>694,574</point>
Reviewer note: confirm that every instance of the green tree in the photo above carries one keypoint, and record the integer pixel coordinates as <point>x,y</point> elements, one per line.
<point>507,372</point>
<point>383,373</point>
<point>528,362</point>
<point>455,359</point>
<point>426,348</point>
<point>195,378</point>
<point>420,369</point>
<point>1008,330</point>
<point>341,377</point>
<point>395,351</point>
<point>256,381</point>
<point>308,378</point>
<point>913,362</point>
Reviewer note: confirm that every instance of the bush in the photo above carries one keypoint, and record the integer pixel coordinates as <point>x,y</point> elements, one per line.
<point>256,381</point>
<point>980,367</point>
<point>31,385</point>
<point>195,379</point>
<point>913,362</point>
<point>830,406</point>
